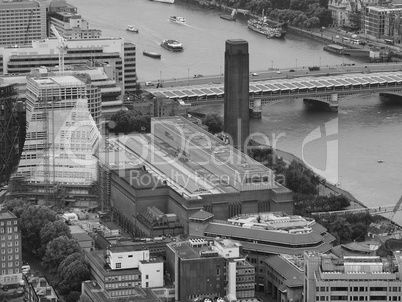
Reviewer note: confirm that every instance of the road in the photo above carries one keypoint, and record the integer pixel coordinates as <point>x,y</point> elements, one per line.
<point>301,71</point>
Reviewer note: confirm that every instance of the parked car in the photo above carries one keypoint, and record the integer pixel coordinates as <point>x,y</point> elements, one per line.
<point>149,84</point>
<point>254,74</point>
<point>292,70</point>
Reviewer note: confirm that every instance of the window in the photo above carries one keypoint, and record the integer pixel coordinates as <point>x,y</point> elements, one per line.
<point>146,284</point>
<point>118,265</point>
<point>146,277</point>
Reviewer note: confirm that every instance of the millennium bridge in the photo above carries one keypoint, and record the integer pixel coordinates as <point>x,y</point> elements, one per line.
<point>324,90</point>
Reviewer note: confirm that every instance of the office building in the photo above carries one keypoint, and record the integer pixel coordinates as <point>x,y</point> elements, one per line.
<point>213,268</point>
<point>352,278</point>
<point>21,22</point>
<point>114,52</point>
<point>284,277</point>
<point>123,271</point>
<point>61,137</point>
<point>383,23</point>
<point>182,168</point>
<point>236,108</point>
<point>263,235</point>
<point>10,129</point>
<point>11,249</point>
<point>68,23</point>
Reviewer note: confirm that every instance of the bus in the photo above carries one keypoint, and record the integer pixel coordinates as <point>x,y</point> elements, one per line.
<point>388,41</point>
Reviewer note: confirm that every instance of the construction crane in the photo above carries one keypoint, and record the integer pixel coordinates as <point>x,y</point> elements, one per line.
<point>396,208</point>
<point>62,47</point>
<point>28,26</point>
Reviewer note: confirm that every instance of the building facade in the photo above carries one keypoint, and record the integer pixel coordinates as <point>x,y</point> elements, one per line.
<point>61,136</point>
<point>11,128</point>
<point>21,22</point>
<point>383,23</point>
<point>213,268</point>
<point>352,278</point>
<point>119,56</point>
<point>11,249</point>
<point>38,289</point>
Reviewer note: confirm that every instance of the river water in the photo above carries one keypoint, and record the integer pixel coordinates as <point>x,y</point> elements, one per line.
<point>365,129</point>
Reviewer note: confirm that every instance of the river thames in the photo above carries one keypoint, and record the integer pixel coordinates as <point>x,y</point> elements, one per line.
<point>367,130</point>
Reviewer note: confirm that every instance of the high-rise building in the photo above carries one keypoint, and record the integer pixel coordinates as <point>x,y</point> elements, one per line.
<point>236,108</point>
<point>352,278</point>
<point>119,56</point>
<point>10,128</point>
<point>61,137</point>
<point>21,22</point>
<point>11,253</point>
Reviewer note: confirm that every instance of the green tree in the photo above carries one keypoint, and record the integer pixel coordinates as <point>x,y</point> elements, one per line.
<point>127,121</point>
<point>32,220</point>
<point>71,272</point>
<point>57,250</point>
<point>73,296</point>
<point>214,123</point>
<point>51,231</point>
<point>341,229</point>
<point>15,206</point>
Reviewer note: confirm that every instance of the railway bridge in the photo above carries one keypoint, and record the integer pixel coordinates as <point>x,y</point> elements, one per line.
<point>324,91</point>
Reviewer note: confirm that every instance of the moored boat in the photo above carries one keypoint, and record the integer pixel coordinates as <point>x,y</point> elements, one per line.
<point>231,17</point>
<point>164,1</point>
<point>269,29</point>
<point>177,20</point>
<point>131,28</point>
<point>172,45</point>
<point>151,54</point>
<point>338,49</point>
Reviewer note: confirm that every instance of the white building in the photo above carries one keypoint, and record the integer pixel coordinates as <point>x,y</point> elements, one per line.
<point>61,134</point>
<point>114,52</point>
<point>125,257</point>
<point>151,273</point>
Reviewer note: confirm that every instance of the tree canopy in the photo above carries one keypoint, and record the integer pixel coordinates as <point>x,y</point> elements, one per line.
<point>32,220</point>
<point>127,121</point>
<point>52,230</point>
<point>71,272</point>
<point>214,122</point>
<point>57,250</point>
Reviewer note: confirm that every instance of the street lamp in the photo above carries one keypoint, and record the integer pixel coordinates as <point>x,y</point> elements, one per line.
<point>160,75</point>
<point>188,76</point>
<point>320,62</point>
<point>296,63</point>
<point>272,65</point>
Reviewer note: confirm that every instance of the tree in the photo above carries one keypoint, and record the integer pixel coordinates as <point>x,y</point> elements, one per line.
<point>72,271</point>
<point>214,123</point>
<point>57,250</point>
<point>32,220</point>
<point>73,296</point>
<point>15,206</point>
<point>51,231</point>
<point>129,121</point>
<point>341,229</point>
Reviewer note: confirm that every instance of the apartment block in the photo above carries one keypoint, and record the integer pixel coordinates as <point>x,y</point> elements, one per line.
<point>21,22</point>
<point>11,249</point>
<point>38,289</point>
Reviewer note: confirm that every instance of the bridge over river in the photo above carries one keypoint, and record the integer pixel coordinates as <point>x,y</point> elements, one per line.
<point>325,90</point>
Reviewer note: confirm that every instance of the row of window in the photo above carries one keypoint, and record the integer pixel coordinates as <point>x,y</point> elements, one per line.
<point>9,244</point>
<point>10,264</point>
<point>10,257</point>
<point>8,222</point>
<point>10,251</point>
<point>358,298</point>
<point>8,229</point>
<point>358,288</point>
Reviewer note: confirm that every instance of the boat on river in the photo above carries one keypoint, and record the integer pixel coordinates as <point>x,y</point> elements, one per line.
<point>231,17</point>
<point>177,20</point>
<point>268,28</point>
<point>172,45</point>
<point>131,28</point>
<point>164,1</point>
<point>334,48</point>
<point>151,54</point>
